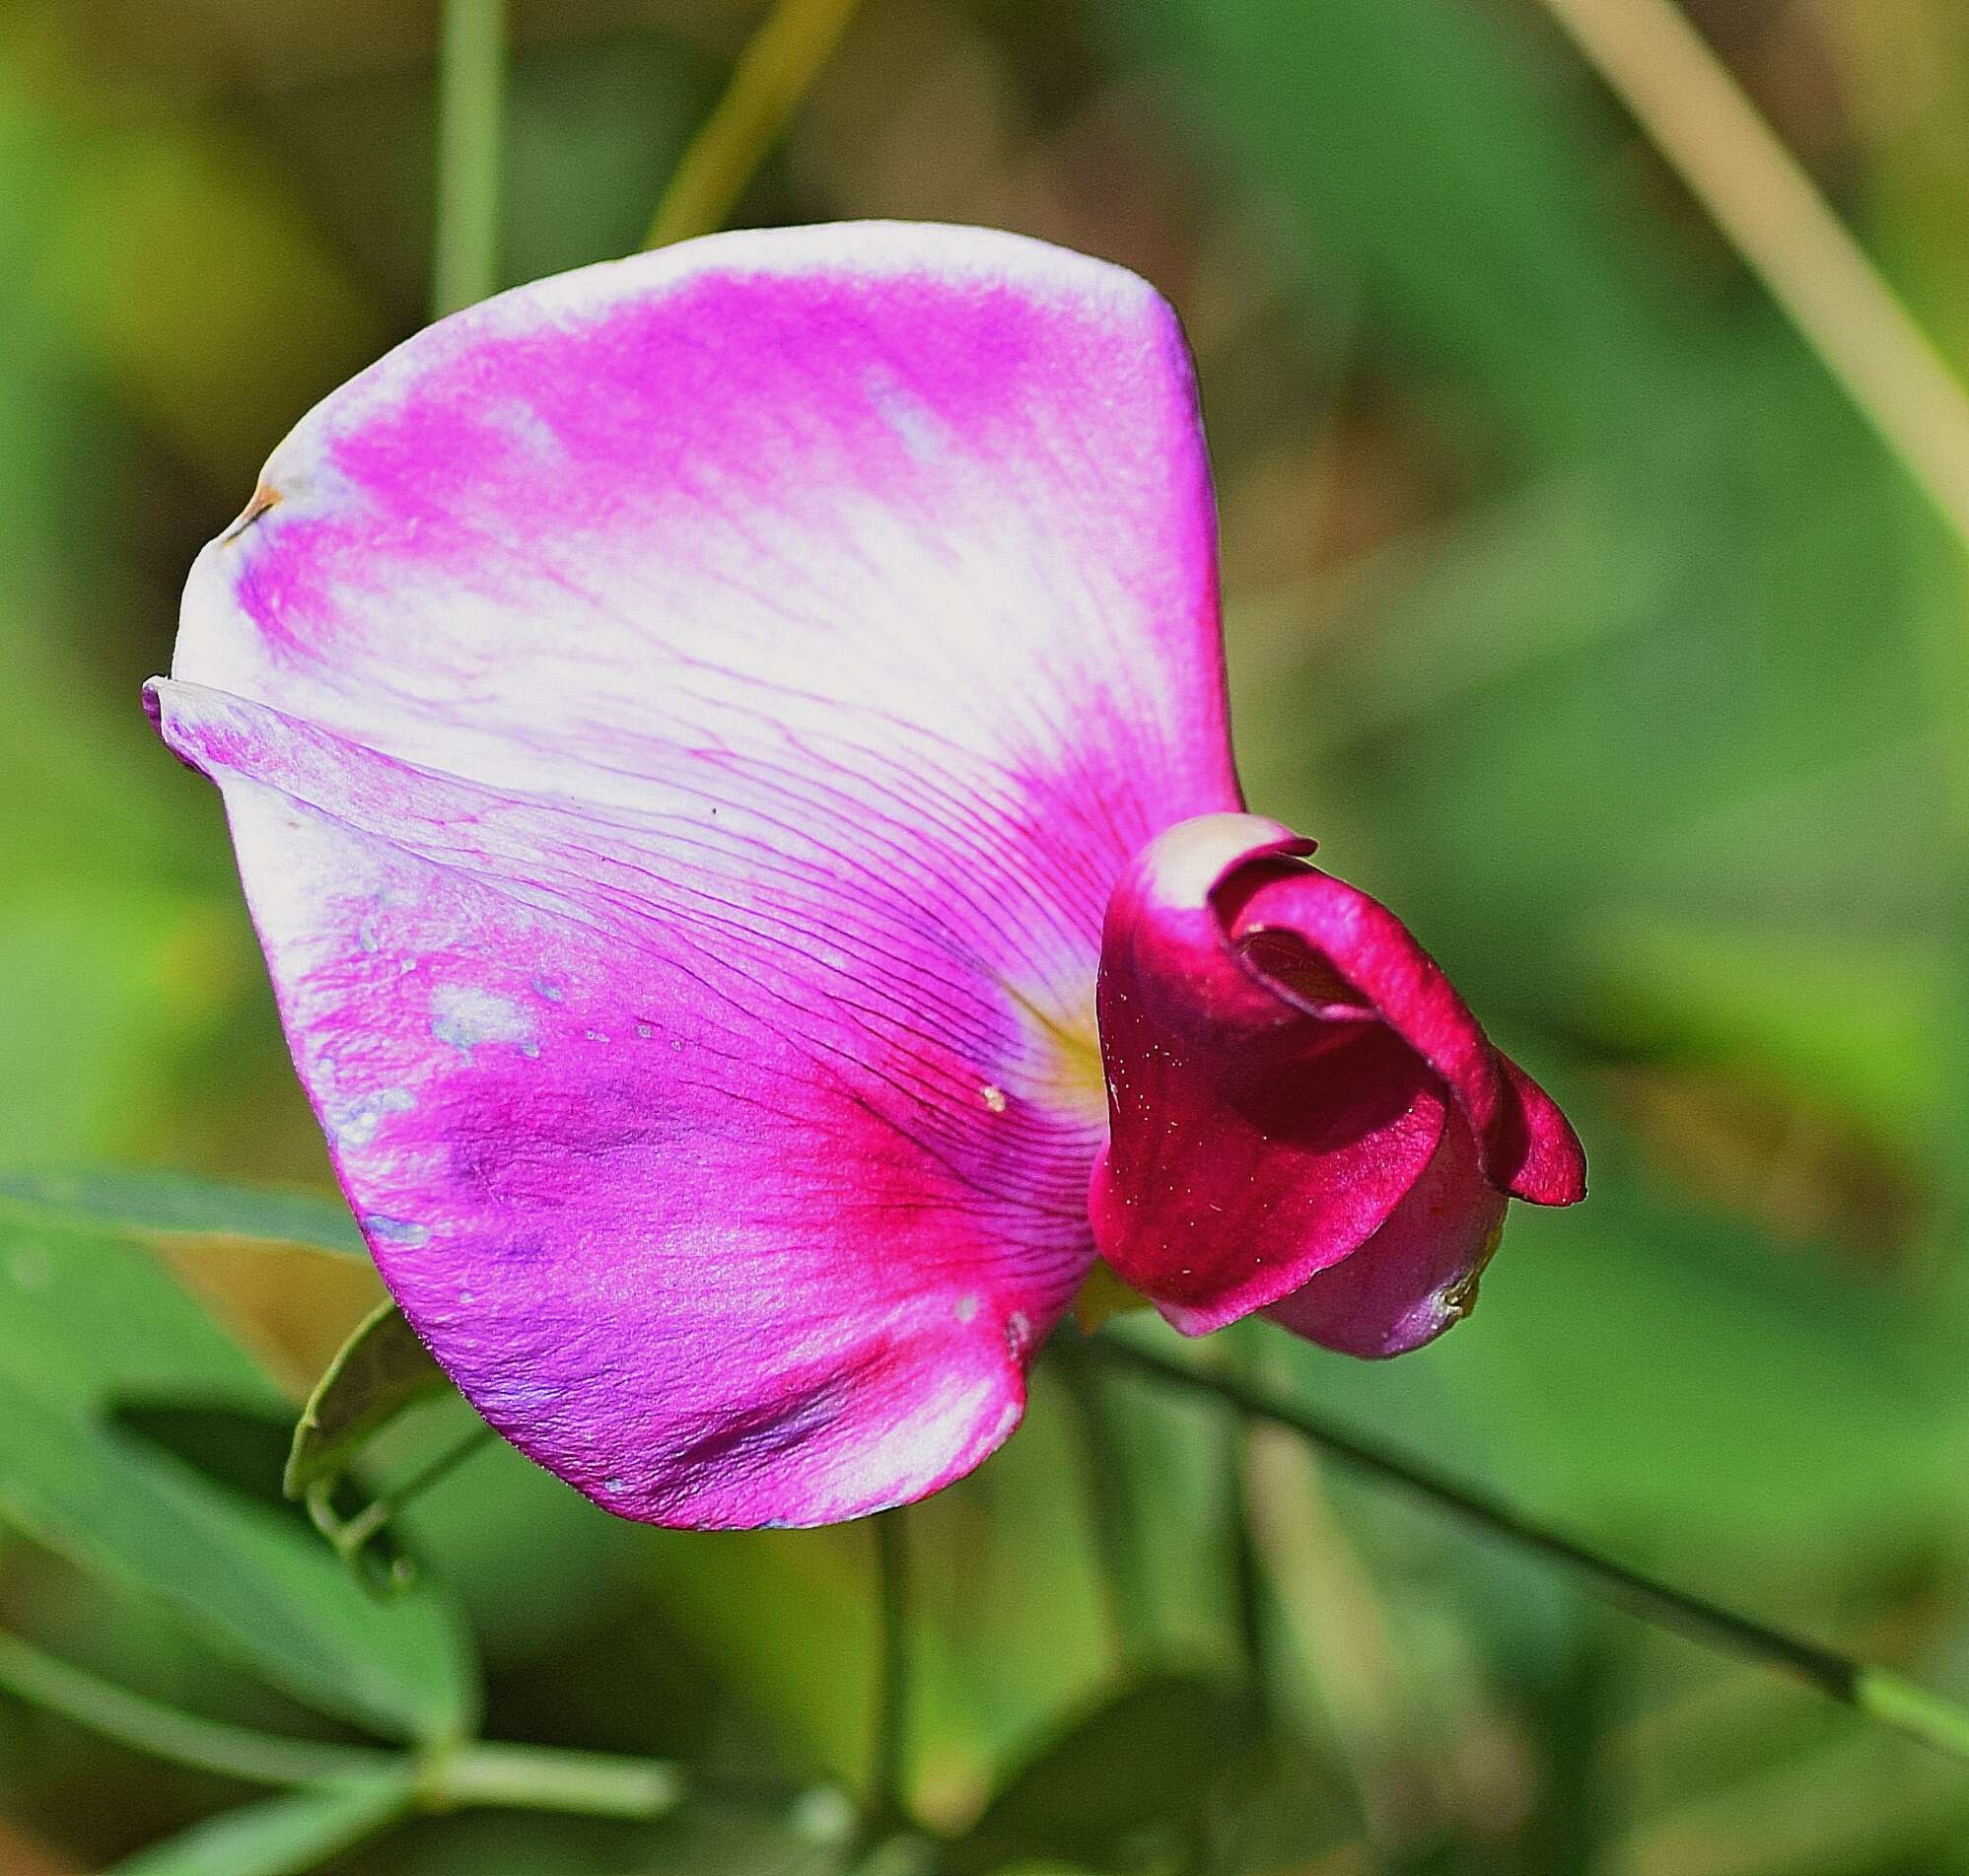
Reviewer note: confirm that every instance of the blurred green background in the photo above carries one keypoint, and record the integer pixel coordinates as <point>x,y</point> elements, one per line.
<point>1571,604</point>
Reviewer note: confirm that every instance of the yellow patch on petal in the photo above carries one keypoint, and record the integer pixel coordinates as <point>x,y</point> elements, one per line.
<point>1067,1054</point>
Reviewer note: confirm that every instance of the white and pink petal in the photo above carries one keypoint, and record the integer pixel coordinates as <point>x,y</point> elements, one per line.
<point>680,725</point>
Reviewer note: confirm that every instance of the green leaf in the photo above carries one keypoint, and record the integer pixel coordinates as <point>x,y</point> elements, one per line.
<point>180,1205</point>
<point>280,1837</point>
<point>1131,1779</point>
<point>240,1448</point>
<point>378,1373</point>
<point>87,1322</point>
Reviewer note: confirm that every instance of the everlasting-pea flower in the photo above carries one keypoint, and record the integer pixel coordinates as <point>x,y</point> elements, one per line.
<point>723,749</point>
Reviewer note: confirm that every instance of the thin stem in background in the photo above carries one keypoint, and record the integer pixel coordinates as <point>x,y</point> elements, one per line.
<point>353,1537</point>
<point>774,73</point>
<point>1249,1586</point>
<point>888,1805</point>
<point>471,111</point>
<point>546,1779</point>
<point>1335,1629</point>
<point>1760,196</point>
<point>1885,1697</point>
<point>182,1739</point>
<point>1247,1570</point>
<point>1112,1513</point>
<point>1697,115</point>
<point>445,1775</point>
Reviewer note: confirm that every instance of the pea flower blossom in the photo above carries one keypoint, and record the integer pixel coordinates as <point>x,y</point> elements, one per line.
<point>727,754</point>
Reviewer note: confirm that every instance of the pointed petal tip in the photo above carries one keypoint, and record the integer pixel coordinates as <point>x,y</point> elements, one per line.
<point>1547,1164</point>
<point>159,706</point>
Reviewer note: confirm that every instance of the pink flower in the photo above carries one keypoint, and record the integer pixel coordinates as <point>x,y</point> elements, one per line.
<point>683,725</point>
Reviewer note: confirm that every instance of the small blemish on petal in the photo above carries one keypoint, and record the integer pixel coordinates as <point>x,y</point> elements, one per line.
<point>614,1485</point>
<point>644,1030</point>
<point>1018,1334</point>
<point>356,1126</point>
<point>966,1309</point>
<point>910,420</point>
<point>396,1231</point>
<point>546,987</point>
<point>467,1017</point>
<point>992,1097</point>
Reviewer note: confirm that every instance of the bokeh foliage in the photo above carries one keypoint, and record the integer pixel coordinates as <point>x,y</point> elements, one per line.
<point>1569,603</point>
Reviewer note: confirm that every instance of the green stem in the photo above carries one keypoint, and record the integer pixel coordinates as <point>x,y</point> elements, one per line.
<point>888,1770</point>
<point>352,1538</point>
<point>1247,1569</point>
<point>1875,1692</point>
<point>184,1739</point>
<point>546,1779</point>
<point>1898,1702</point>
<point>511,1777</point>
<point>471,103</point>
<point>776,70</point>
<point>1116,1530</point>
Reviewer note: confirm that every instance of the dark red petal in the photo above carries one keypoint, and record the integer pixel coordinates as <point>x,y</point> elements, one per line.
<point>1418,1274</point>
<point>1293,1082</point>
<point>1250,1144</point>
<point>1535,1153</point>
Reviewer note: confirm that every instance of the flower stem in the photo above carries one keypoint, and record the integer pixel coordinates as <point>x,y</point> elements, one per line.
<point>775,71</point>
<point>1116,1531</point>
<point>888,1805</point>
<point>1248,1567</point>
<point>184,1739</point>
<point>352,1536</point>
<point>1898,1702</point>
<point>547,1779</point>
<point>1875,1692</point>
<point>471,103</point>
<point>512,1776</point>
